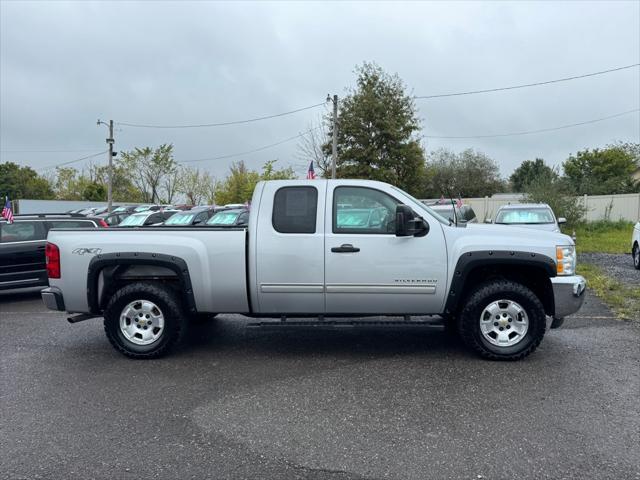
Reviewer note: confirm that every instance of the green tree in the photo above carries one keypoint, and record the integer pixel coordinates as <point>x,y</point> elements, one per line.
<point>602,172</point>
<point>95,192</point>
<point>69,184</point>
<point>530,171</point>
<point>239,185</point>
<point>377,132</point>
<point>152,171</point>
<point>195,185</point>
<point>468,174</point>
<point>18,182</point>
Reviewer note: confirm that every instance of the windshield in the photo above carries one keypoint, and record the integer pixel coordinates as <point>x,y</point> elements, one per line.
<point>142,208</point>
<point>133,221</point>
<point>525,216</point>
<point>224,218</point>
<point>180,219</point>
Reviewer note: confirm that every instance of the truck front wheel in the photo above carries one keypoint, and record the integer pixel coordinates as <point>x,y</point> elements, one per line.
<point>503,320</point>
<point>144,320</point>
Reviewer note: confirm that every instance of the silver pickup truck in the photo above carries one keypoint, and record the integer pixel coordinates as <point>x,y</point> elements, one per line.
<point>316,248</point>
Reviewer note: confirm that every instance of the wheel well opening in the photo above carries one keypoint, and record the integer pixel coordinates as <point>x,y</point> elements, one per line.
<point>532,277</point>
<point>112,278</point>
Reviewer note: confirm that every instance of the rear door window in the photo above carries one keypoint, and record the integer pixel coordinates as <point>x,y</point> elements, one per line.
<point>295,210</point>
<point>22,232</point>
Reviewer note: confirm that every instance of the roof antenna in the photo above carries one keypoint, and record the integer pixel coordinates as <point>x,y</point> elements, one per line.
<point>453,204</point>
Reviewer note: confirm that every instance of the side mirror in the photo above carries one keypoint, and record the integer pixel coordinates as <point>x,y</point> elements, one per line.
<point>562,220</point>
<point>197,222</point>
<point>408,225</point>
<point>488,220</point>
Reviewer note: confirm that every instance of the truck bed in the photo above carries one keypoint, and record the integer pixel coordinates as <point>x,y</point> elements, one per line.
<point>215,257</point>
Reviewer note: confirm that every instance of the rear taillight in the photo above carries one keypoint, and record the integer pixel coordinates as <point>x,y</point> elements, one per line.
<point>102,223</point>
<point>52,254</point>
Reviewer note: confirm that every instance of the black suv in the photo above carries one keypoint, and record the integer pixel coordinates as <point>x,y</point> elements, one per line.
<point>22,260</point>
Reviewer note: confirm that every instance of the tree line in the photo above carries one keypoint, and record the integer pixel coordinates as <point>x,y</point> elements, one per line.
<point>378,139</point>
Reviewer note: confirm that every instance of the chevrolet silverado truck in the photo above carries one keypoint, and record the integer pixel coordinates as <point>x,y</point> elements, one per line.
<point>319,248</point>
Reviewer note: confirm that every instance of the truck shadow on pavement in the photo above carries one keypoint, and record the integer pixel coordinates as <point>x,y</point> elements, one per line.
<point>224,334</point>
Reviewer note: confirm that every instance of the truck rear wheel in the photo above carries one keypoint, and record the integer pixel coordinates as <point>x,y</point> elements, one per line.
<point>503,320</point>
<point>144,320</point>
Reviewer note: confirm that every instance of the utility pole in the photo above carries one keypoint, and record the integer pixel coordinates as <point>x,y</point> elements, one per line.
<point>110,142</point>
<point>334,146</point>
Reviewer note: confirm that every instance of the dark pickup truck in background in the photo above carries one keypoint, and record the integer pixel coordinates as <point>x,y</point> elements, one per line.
<point>22,246</point>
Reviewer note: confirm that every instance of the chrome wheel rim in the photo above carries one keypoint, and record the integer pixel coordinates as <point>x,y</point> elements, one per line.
<point>504,323</point>
<point>141,322</point>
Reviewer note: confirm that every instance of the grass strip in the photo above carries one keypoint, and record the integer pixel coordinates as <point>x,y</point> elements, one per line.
<point>623,299</point>
<point>602,237</point>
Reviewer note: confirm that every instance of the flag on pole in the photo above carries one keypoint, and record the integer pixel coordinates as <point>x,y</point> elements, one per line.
<point>311,175</point>
<point>6,211</point>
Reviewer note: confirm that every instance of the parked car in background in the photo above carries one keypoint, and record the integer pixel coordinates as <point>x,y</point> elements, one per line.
<point>146,219</point>
<point>125,209</point>
<point>195,216</point>
<point>529,215</point>
<point>230,217</point>
<point>635,246</point>
<point>113,219</point>
<point>461,214</point>
<point>153,208</point>
<point>182,206</point>
<point>22,246</point>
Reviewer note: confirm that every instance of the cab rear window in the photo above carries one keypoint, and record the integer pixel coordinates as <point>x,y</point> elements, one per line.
<point>295,210</point>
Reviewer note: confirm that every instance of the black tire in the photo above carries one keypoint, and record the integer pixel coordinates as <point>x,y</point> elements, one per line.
<point>635,253</point>
<point>170,307</point>
<point>484,295</point>
<point>557,323</point>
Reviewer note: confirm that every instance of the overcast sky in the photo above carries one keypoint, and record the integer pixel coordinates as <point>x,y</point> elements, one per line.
<point>66,64</point>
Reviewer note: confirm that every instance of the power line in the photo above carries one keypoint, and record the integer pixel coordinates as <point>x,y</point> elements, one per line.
<point>529,132</point>
<point>514,87</point>
<point>221,124</point>
<point>259,149</point>
<point>74,161</point>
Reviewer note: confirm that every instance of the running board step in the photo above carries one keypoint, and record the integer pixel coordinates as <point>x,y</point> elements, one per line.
<point>81,317</point>
<point>346,323</point>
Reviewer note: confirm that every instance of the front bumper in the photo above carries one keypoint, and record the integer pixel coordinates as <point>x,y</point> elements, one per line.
<point>568,294</point>
<point>52,298</point>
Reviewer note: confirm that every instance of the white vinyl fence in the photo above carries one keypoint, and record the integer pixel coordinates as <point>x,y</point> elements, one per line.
<point>599,207</point>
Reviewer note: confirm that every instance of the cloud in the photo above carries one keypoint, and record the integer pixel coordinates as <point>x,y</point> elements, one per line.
<point>63,65</point>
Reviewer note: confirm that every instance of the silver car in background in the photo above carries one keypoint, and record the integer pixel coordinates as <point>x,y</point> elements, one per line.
<point>529,215</point>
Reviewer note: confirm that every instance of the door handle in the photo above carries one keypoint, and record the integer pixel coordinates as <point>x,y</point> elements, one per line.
<point>345,248</point>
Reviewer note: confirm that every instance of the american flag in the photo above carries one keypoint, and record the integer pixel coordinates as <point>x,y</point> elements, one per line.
<point>6,211</point>
<point>311,175</point>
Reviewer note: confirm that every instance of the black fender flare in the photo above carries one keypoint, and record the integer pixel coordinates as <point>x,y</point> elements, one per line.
<point>487,258</point>
<point>176,264</point>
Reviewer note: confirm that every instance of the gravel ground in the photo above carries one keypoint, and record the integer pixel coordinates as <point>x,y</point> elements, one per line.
<point>618,266</point>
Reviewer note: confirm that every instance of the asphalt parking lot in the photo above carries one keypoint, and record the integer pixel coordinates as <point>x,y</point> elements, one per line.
<point>365,402</point>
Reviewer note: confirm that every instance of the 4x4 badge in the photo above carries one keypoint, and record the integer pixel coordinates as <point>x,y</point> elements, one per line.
<point>87,251</point>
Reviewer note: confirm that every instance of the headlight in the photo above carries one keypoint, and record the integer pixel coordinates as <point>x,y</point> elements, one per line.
<point>566,260</point>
